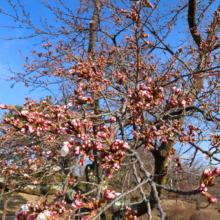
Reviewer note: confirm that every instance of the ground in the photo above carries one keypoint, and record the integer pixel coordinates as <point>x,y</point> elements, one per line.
<point>175,209</point>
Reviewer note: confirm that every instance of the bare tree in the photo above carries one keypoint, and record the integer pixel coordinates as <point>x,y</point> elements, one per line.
<point>124,89</point>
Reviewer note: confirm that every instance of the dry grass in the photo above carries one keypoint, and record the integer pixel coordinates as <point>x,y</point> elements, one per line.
<point>205,215</point>
<point>179,213</point>
<point>16,200</point>
<point>182,210</point>
<point>174,209</point>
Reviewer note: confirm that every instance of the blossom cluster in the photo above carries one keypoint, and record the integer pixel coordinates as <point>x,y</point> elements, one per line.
<point>146,98</point>
<point>90,70</point>
<point>120,78</point>
<point>80,202</point>
<point>162,133</point>
<point>189,136</point>
<point>129,214</point>
<point>178,99</point>
<point>206,181</point>
<point>134,13</point>
<point>43,210</point>
<point>215,139</point>
<point>46,121</point>
<point>113,156</point>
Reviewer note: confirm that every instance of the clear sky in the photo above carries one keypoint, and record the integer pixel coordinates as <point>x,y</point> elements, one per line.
<point>10,56</point>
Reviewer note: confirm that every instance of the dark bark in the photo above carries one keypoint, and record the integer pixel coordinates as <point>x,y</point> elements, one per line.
<point>5,207</point>
<point>192,22</point>
<point>93,170</point>
<point>93,24</point>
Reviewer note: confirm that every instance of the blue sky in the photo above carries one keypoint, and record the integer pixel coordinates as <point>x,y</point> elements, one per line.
<point>10,57</point>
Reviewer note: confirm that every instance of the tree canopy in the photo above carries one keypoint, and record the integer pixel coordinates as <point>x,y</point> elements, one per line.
<point>128,84</point>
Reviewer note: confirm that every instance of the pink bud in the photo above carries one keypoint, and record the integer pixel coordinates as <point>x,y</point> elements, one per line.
<point>92,158</point>
<point>202,185</point>
<point>82,162</point>
<point>108,173</point>
<point>77,204</point>
<point>202,193</point>
<point>216,171</point>
<point>160,89</point>
<point>116,166</point>
<point>212,199</point>
<point>112,120</point>
<point>207,172</point>
<point>125,146</point>
<point>3,106</point>
<point>109,194</point>
<point>153,128</point>
<point>173,89</point>
<point>182,103</point>
<point>177,91</point>
<point>205,189</point>
<point>180,49</point>
<point>121,154</point>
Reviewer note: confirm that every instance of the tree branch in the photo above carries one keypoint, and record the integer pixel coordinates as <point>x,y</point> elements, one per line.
<point>192,22</point>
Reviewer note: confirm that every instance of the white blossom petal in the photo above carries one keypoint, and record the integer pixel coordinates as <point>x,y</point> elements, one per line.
<point>64,151</point>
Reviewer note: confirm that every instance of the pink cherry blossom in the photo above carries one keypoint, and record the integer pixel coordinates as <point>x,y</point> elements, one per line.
<point>109,194</point>
<point>212,199</point>
<point>109,157</point>
<point>207,172</point>
<point>121,154</point>
<point>116,166</point>
<point>3,106</point>
<point>77,204</point>
<point>108,173</point>
<point>182,103</point>
<point>64,151</point>
<point>82,162</point>
<point>41,216</point>
<point>48,213</point>
<point>86,218</point>
<point>25,208</point>
<point>112,120</point>
<point>99,146</point>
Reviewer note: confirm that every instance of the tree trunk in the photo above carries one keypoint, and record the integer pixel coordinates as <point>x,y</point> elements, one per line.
<point>5,207</point>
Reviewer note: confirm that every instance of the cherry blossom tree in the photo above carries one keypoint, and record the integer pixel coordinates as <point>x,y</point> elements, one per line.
<point>124,88</point>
